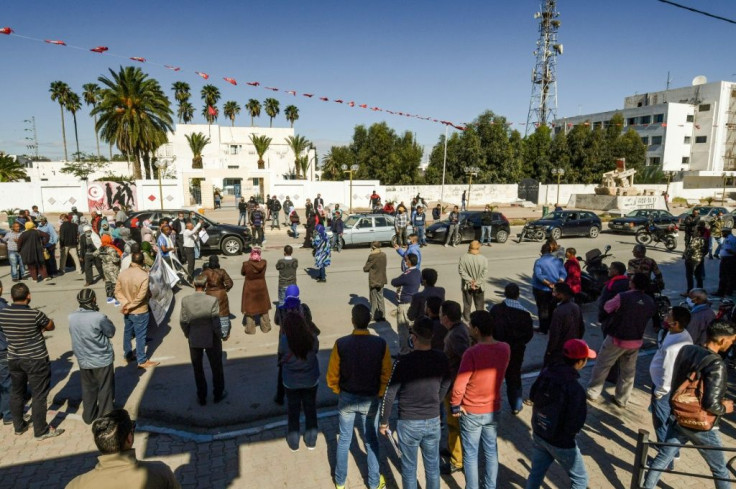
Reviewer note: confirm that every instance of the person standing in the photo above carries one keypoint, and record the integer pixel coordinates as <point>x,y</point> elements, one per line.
<point>319,203</point>
<point>476,399</point>
<point>11,238</point>
<point>322,253</point>
<point>68,242</point>
<point>337,227</point>
<point>257,222</point>
<point>473,268</point>
<point>189,241</point>
<point>288,206</point>
<point>255,302</point>
<point>572,268</point>
<point>49,255</point>
<point>694,255</point>
<point>91,331</point>
<point>412,248</point>
<point>419,225</point>
<point>702,362</point>
<point>401,221</point>
<point>131,290</point>
<point>218,285</point>
<point>200,321</point>
<point>28,361</point>
<point>727,267</point>
<point>567,324</point>
<point>359,369</point>
<point>88,244</point>
<point>375,267</point>
<point>486,222</point>
<point>419,300</point>
<point>690,224</point>
<point>109,255</point>
<point>5,382</point>
<point>242,211</point>
<point>716,234</point>
<point>375,200</point>
<point>453,224</point>
<point>559,414</point>
<point>633,310</point>
<point>512,324</point>
<point>701,315</point>
<point>463,200</point>
<point>32,244</point>
<point>287,267</point>
<point>548,270</point>
<point>275,211</point>
<point>407,285</point>
<point>178,225</point>
<point>420,380</point>
<point>293,219</point>
<point>617,282</point>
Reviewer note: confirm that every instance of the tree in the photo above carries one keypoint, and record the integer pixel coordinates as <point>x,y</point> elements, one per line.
<point>384,155</point>
<point>302,163</point>
<point>59,93</point>
<point>73,104</point>
<point>181,95</point>
<point>631,147</point>
<point>231,109</point>
<point>537,153</point>
<point>271,106</point>
<point>292,114</point>
<point>261,144</point>
<point>559,154</point>
<point>333,161</point>
<point>186,112</point>
<point>197,141</point>
<point>91,96</point>
<point>254,109</point>
<point>210,97</point>
<point>82,168</point>
<point>134,113</point>
<point>298,145</point>
<point>10,169</point>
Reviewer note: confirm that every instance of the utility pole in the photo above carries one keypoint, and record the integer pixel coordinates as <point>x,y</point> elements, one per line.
<point>32,129</point>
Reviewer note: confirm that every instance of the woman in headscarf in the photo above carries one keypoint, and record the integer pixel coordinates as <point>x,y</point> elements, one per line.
<point>148,253</point>
<point>218,285</point>
<point>109,255</point>
<point>294,222</point>
<point>31,246</point>
<point>255,302</point>
<point>322,253</point>
<point>147,233</point>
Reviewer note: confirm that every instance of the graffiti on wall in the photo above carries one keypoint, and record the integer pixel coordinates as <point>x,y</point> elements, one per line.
<point>104,196</point>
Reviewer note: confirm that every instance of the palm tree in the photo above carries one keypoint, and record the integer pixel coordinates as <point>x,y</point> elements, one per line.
<point>292,114</point>
<point>298,145</point>
<point>59,91</point>
<point>302,163</point>
<point>254,109</point>
<point>271,106</point>
<point>197,141</point>
<point>73,104</point>
<point>91,96</point>
<point>134,112</point>
<point>231,109</point>
<point>261,143</point>
<point>10,169</point>
<point>210,96</point>
<point>181,94</point>
<point>186,112</point>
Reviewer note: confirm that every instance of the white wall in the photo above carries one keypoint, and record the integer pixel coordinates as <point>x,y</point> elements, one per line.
<point>332,192</point>
<point>479,194</point>
<point>147,193</point>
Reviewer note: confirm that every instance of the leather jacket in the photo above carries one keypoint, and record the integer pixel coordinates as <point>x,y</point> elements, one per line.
<point>715,376</point>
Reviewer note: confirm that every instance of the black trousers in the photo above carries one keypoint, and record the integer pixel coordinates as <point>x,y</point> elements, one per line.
<point>214,355</point>
<point>91,261</point>
<point>98,392</point>
<point>35,373</point>
<point>545,307</point>
<point>726,277</point>
<point>298,399</point>
<point>189,259</point>
<point>698,271</point>
<point>472,298</point>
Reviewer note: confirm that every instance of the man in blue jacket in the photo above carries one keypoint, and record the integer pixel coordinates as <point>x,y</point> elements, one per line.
<point>407,284</point>
<point>419,224</point>
<point>412,249</point>
<point>548,270</point>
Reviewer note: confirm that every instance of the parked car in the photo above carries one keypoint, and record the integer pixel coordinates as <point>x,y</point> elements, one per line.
<point>470,228</point>
<point>363,229</point>
<point>638,219</point>
<point>3,247</point>
<point>569,223</point>
<point>707,213</point>
<point>226,238</point>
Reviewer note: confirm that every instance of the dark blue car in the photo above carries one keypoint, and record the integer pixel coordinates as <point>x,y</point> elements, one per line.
<point>569,223</point>
<point>638,219</point>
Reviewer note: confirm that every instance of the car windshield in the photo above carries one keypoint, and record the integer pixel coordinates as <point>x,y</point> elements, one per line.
<point>638,213</point>
<point>554,215</point>
<point>351,221</point>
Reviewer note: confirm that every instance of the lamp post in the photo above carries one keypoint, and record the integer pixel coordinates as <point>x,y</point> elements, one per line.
<point>351,170</point>
<point>723,194</point>
<point>471,171</point>
<point>162,163</point>
<point>558,172</point>
<point>669,175</point>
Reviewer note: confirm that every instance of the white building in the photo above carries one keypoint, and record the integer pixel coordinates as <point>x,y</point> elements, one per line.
<point>691,130</point>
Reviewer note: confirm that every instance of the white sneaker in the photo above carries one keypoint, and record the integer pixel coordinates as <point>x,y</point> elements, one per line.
<point>116,303</point>
<point>110,300</point>
<point>445,245</point>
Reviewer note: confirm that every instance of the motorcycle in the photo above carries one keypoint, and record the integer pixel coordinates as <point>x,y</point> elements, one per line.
<point>594,274</point>
<point>531,232</point>
<point>656,234</point>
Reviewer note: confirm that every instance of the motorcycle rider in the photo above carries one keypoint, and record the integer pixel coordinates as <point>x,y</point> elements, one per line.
<point>641,263</point>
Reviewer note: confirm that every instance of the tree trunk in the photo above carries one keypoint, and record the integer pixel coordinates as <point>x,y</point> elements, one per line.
<point>251,121</point>
<point>270,122</point>
<point>76,134</point>
<point>261,164</point>
<point>147,165</point>
<point>296,168</point>
<point>136,166</point>
<point>63,131</point>
<point>97,139</point>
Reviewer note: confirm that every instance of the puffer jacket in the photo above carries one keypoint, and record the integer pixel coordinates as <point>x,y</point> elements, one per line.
<point>715,376</point>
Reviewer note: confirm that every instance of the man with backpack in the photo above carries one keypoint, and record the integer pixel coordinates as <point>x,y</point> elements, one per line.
<point>559,415</point>
<point>257,221</point>
<point>275,207</point>
<point>699,386</point>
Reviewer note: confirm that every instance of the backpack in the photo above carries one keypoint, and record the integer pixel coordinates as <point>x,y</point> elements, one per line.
<point>687,400</point>
<point>549,407</point>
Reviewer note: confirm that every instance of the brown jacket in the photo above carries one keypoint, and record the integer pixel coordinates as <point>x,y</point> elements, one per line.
<point>218,285</point>
<point>123,471</point>
<point>376,268</point>
<point>131,289</point>
<point>255,298</point>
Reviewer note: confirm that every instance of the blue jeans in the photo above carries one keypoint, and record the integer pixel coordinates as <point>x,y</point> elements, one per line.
<point>295,230</point>
<point>485,234</point>
<point>413,434</point>
<point>138,324</point>
<point>680,435</point>
<point>543,454</point>
<point>420,234</point>
<point>661,420</point>
<point>5,384</point>
<point>242,217</point>
<point>719,242</point>
<point>17,270</point>
<point>474,430</point>
<point>366,408</point>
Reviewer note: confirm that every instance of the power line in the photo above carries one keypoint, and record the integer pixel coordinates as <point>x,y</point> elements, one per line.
<point>701,12</point>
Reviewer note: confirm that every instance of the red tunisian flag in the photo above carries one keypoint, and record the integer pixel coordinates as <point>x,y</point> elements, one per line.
<point>99,49</point>
<point>6,30</point>
<point>203,75</point>
<point>351,103</point>
<point>324,99</point>
<point>212,111</point>
<point>363,106</point>
<point>310,95</point>
<point>140,60</point>
<point>291,92</point>
<point>253,84</point>
<point>338,100</point>
<point>58,43</point>
<point>272,89</point>
<point>174,68</point>
<point>230,80</point>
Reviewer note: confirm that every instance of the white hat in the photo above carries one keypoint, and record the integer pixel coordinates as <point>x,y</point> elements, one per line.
<point>87,228</point>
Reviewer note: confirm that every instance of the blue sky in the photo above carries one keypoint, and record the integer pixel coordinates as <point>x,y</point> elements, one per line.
<point>448,60</point>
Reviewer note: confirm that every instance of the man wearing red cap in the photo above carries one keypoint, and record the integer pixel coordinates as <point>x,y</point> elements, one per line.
<point>559,415</point>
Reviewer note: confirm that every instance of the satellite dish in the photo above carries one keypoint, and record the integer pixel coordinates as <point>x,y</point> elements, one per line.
<point>700,80</point>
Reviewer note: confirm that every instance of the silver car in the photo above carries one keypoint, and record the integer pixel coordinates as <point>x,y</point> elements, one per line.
<point>360,229</point>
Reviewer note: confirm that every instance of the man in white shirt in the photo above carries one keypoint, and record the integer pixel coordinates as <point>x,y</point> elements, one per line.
<point>189,235</point>
<point>662,367</point>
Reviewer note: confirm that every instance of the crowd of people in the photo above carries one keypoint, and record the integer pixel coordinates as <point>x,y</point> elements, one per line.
<point>452,358</point>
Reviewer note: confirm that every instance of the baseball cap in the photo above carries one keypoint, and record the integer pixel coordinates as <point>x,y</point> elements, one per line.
<point>577,350</point>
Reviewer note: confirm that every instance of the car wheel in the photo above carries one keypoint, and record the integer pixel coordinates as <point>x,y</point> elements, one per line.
<point>394,240</point>
<point>670,243</point>
<point>231,246</point>
<point>502,236</point>
<point>538,235</point>
<point>342,243</point>
<point>458,238</point>
<point>728,223</point>
<point>556,233</point>
<point>594,231</point>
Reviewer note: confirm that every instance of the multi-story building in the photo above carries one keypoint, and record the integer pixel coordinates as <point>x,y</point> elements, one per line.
<point>689,130</point>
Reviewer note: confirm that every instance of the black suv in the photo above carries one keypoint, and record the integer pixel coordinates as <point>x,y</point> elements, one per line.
<point>227,238</point>
<point>470,228</point>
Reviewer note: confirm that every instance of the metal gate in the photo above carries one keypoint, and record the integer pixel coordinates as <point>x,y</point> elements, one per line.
<point>529,190</point>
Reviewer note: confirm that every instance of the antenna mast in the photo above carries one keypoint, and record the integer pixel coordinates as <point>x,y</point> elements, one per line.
<point>33,145</point>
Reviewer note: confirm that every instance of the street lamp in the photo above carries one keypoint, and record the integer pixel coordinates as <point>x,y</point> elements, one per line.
<point>558,172</point>
<point>351,170</point>
<point>723,194</point>
<point>471,171</point>
<point>162,163</point>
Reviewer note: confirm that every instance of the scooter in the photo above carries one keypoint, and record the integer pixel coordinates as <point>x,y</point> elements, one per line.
<point>594,274</point>
<point>531,233</point>
<point>656,234</point>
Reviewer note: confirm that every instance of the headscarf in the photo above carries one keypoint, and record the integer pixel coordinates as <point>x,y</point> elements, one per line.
<point>255,254</point>
<point>107,240</point>
<point>86,299</point>
<point>147,248</point>
<point>291,298</point>
<point>291,210</point>
<point>321,231</point>
<point>214,262</point>
<point>29,225</point>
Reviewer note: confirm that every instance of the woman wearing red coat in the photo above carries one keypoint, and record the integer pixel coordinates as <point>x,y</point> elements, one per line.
<point>255,302</point>
<point>572,266</point>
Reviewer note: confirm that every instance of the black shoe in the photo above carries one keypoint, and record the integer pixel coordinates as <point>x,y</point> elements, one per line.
<point>202,401</point>
<point>130,357</point>
<point>448,469</point>
<point>219,398</point>
<point>23,429</point>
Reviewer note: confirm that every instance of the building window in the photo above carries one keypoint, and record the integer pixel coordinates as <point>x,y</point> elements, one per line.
<point>701,139</point>
<point>703,107</point>
<point>690,118</point>
<point>646,119</point>
<point>256,182</point>
<point>685,160</point>
<point>235,149</point>
<point>645,140</point>
<point>597,125</point>
<point>631,121</point>
<point>688,140</point>
<point>656,140</point>
<point>654,161</point>
<point>233,167</point>
<point>658,117</point>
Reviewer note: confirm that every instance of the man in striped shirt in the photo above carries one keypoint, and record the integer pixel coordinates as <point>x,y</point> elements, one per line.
<point>28,361</point>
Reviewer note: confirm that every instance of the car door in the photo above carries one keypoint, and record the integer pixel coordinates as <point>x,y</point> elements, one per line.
<point>363,232</point>
<point>570,224</point>
<point>382,228</point>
